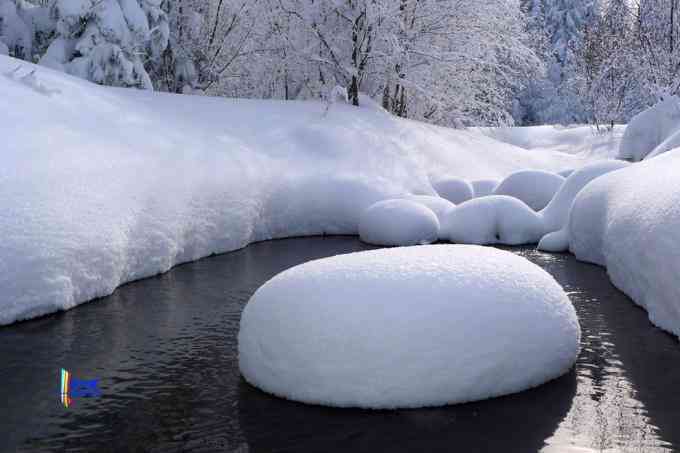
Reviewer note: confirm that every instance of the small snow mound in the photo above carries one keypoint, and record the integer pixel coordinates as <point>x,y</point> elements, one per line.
<point>438,205</point>
<point>652,131</point>
<point>555,242</point>
<point>483,187</point>
<point>534,187</point>
<point>455,190</point>
<point>556,214</point>
<point>398,222</point>
<point>495,219</point>
<point>407,327</point>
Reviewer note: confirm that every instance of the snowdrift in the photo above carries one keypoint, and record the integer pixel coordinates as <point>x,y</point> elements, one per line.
<point>629,222</point>
<point>653,131</point>
<point>101,186</point>
<point>584,141</point>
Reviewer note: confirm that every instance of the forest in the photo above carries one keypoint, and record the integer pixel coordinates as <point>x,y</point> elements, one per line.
<point>454,63</point>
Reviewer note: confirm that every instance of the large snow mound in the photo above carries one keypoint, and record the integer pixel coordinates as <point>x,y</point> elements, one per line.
<point>629,221</point>
<point>653,131</point>
<point>556,214</point>
<point>398,222</point>
<point>534,187</point>
<point>496,219</point>
<point>101,186</point>
<point>407,327</point>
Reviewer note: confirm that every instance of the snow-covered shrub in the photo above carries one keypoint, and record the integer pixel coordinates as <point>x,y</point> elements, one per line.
<point>16,37</point>
<point>652,131</point>
<point>398,222</point>
<point>629,221</point>
<point>104,41</point>
<point>453,189</point>
<point>495,219</point>
<point>407,327</point>
<point>534,187</point>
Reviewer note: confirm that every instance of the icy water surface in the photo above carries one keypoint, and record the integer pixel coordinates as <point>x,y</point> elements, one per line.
<point>164,350</point>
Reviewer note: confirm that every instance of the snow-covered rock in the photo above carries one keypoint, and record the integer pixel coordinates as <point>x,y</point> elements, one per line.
<point>407,327</point>
<point>629,221</point>
<point>440,206</point>
<point>653,131</point>
<point>483,187</point>
<point>495,219</point>
<point>555,242</point>
<point>556,214</point>
<point>398,222</point>
<point>108,185</point>
<point>534,187</point>
<point>454,189</point>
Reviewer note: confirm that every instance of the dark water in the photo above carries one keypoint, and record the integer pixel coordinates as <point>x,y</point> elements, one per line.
<point>164,350</point>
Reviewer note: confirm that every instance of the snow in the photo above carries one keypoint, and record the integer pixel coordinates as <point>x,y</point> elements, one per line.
<point>629,221</point>
<point>438,205</point>
<point>398,222</point>
<point>557,241</point>
<point>653,131</point>
<point>584,141</point>
<point>483,187</point>
<point>101,186</point>
<point>407,327</point>
<point>496,219</point>
<point>534,187</point>
<point>454,189</point>
<point>556,215</point>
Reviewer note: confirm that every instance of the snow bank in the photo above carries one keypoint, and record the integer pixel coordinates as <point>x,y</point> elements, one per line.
<point>407,327</point>
<point>398,222</point>
<point>535,188</point>
<point>556,214</point>
<point>653,131</point>
<point>495,219</point>
<point>584,141</point>
<point>453,189</point>
<point>629,221</point>
<point>101,186</point>
<point>483,187</point>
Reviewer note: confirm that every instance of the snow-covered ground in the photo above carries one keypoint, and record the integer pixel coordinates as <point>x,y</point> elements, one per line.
<point>408,327</point>
<point>101,186</point>
<point>584,141</point>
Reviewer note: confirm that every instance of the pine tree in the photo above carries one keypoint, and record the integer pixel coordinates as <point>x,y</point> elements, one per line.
<point>105,41</point>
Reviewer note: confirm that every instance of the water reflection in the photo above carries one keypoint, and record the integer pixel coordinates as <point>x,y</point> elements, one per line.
<point>165,352</point>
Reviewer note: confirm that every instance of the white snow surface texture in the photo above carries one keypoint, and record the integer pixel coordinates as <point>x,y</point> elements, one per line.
<point>629,221</point>
<point>408,327</point>
<point>398,222</point>
<point>653,131</point>
<point>535,188</point>
<point>110,185</point>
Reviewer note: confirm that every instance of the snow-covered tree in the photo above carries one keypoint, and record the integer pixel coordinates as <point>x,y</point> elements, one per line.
<point>107,41</point>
